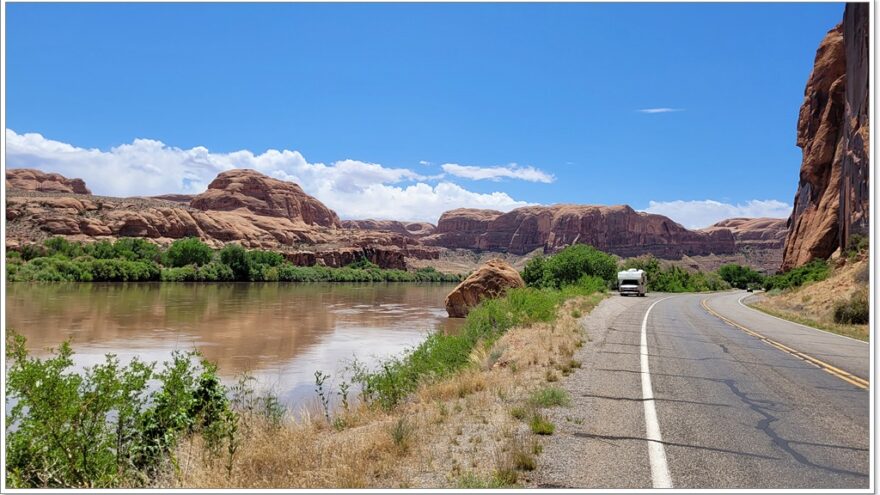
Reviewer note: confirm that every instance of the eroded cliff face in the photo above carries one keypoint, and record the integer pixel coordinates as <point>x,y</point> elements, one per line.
<point>246,208</point>
<point>249,190</point>
<point>614,229</point>
<point>831,203</point>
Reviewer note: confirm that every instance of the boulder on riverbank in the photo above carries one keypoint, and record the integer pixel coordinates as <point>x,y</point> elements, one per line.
<point>491,280</point>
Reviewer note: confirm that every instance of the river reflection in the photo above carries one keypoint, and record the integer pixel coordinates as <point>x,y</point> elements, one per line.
<point>281,333</point>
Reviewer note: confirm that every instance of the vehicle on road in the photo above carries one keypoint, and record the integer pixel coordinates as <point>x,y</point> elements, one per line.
<point>632,281</point>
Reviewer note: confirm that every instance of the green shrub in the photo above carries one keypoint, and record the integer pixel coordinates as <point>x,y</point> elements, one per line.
<point>189,251</point>
<point>568,266</point>
<point>739,276</point>
<point>813,271</point>
<point>269,258</point>
<point>136,249</point>
<point>107,426</point>
<point>59,246</point>
<point>236,258</point>
<point>855,311</point>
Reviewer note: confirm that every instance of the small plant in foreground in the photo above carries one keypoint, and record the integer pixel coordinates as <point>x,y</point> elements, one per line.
<point>401,434</point>
<point>541,425</point>
<point>550,397</point>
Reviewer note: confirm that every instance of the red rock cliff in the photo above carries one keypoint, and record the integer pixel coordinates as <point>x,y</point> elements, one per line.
<point>615,229</point>
<point>831,203</point>
<point>263,195</point>
<point>28,179</point>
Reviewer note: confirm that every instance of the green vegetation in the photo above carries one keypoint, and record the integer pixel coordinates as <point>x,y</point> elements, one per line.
<point>108,426</point>
<point>540,425</point>
<point>568,266</point>
<point>740,277</point>
<point>440,355</point>
<point>858,245</point>
<point>813,271</point>
<point>855,311</point>
<point>672,278</point>
<point>550,397</point>
<point>185,260</point>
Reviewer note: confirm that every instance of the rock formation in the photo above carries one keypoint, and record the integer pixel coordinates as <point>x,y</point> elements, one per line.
<point>489,281</point>
<point>242,189</point>
<point>614,229</point>
<point>415,230</point>
<point>831,203</point>
<point>28,179</point>
<point>759,242</point>
<point>279,216</point>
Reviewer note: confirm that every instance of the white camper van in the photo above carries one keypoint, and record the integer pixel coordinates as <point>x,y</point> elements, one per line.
<point>632,281</point>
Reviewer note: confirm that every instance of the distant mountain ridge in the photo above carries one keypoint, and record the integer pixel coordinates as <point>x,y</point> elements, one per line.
<point>257,211</point>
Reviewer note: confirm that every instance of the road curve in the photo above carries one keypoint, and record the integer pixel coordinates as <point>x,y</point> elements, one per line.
<point>842,352</point>
<point>733,411</point>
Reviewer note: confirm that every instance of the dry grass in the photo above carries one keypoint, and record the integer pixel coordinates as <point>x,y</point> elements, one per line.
<point>458,432</point>
<point>813,304</point>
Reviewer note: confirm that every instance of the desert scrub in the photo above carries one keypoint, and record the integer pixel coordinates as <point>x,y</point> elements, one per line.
<point>105,427</point>
<point>855,311</point>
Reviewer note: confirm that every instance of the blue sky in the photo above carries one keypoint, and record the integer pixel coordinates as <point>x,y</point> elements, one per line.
<point>521,103</point>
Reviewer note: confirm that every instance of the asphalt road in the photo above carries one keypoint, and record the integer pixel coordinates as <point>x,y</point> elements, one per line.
<point>732,411</point>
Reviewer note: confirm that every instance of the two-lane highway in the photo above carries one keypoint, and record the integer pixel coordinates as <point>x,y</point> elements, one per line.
<point>722,407</point>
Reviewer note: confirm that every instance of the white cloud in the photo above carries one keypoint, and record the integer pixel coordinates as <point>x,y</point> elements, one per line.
<point>660,110</point>
<point>699,214</point>
<point>354,189</point>
<point>512,171</point>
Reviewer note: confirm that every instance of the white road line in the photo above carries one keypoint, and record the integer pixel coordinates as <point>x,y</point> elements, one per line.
<point>656,452</point>
<point>808,327</point>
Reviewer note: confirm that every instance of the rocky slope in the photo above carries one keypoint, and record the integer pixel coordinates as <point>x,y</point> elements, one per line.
<point>28,179</point>
<point>615,229</point>
<point>831,203</point>
<point>415,230</point>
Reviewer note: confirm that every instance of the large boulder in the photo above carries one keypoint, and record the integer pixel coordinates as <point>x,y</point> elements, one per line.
<point>489,281</point>
<point>28,179</point>
<point>262,195</point>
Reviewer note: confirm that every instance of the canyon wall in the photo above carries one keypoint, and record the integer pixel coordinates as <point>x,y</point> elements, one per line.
<point>614,229</point>
<point>831,203</point>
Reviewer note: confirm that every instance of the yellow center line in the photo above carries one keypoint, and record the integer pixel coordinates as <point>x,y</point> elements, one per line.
<point>839,373</point>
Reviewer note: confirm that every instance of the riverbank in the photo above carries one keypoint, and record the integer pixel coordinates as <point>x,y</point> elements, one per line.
<point>458,410</point>
<point>186,260</point>
<point>480,426</point>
